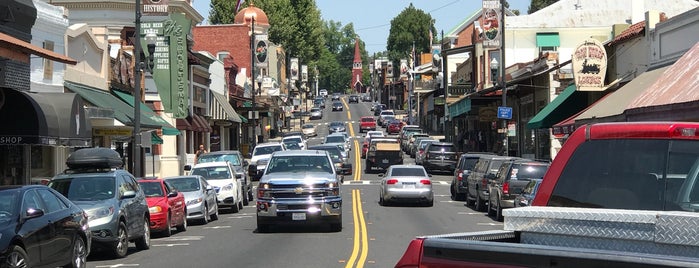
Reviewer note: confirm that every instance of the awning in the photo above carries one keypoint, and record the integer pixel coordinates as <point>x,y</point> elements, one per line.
<point>221,109</point>
<point>612,108</point>
<point>201,123</point>
<point>155,139</point>
<point>569,102</point>
<point>14,43</point>
<point>567,126</point>
<point>243,119</point>
<point>459,107</point>
<point>100,98</point>
<point>43,118</point>
<point>148,117</point>
<point>183,124</point>
<point>547,40</point>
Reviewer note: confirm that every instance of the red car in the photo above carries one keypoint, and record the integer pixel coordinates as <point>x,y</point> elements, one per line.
<point>367,123</point>
<point>166,206</point>
<point>394,127</point>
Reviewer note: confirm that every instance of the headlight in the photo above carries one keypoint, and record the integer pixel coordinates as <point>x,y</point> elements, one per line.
<point>155,209</point>
<point>100,213</point>
<point>194,201</point>
<point>228,187</point>
<point>262,190</point>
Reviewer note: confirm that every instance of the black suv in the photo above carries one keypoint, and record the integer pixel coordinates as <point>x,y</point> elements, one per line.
<point>466,164</point>
<point>440,156</point>
<point>511,178</point>
<point>353,98</point>
<point>477,182</point>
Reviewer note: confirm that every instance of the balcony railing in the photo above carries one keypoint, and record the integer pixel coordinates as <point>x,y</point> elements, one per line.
<point>460,89</point>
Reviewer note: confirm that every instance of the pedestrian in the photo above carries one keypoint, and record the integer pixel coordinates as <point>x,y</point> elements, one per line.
<point>199,152</point>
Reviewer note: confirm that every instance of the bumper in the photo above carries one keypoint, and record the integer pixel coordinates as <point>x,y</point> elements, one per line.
<point>226,199</point>
<point>300,211</point>
<point>105,233</point>
<point>408,195</point>
<point>158,221</point>
<point>362,128</point>
<point>461,188</point>
<point>440,165</point>
<point>196,211</point>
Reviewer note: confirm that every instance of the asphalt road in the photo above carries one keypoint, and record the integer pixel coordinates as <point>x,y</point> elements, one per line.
<point>372,235</point>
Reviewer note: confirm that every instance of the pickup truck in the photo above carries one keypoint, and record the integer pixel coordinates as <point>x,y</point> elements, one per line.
<point>616,195</point>
<point>382,153</point>
<point>367,123</point>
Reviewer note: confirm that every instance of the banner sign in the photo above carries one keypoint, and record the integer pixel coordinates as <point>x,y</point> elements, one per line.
<point>261,56</point>
<point>389,69</point>
<point>403,68</point>
<point>170,68</point>
<point>589,66</point>
<point>304,73</point>
<point>154,7</point>
<point>491,24</point>
<point>294,68</point>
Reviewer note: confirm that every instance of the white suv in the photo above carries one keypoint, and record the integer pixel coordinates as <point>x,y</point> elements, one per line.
<point>221,175</point>
<point>260,157</point>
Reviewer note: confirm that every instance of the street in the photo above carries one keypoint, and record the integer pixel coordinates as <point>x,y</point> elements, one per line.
<point>372,235</point>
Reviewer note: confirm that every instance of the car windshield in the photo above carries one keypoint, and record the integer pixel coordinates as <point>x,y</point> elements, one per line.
<point>333,151</point>
<point>266,150</point>
<point>291,145</point>
<point>212,173</point>
<point>307,126</point>
<point>187,184</point>
<point>313,163</point>
<point>85,188</point>
<point>233,158</point>
<point>408,172</point>
<point>152,188</point>
<point>334,139</point>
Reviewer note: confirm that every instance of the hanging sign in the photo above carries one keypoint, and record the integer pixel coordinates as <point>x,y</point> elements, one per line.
<point>261,55</point>
<point>491,24</point>
<point>589,66</point>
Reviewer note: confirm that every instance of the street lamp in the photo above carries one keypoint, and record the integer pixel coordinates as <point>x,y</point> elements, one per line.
<point>252,77</point>
<point>494,67</point>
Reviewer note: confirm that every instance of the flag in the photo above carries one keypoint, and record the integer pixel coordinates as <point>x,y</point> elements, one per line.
<point>237,6</point>
<point>430,36</point>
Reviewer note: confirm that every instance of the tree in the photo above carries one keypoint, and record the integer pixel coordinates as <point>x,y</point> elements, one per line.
<point>539,4</point>
<point>222,12</point>
<point>411,27</point>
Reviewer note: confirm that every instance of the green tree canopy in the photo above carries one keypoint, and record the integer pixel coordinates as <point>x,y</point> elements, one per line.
<point>222,12</point>
<point>411,27</point>
<point>539,4</point>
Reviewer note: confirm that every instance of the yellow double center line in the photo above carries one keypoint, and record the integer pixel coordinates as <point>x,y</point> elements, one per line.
<point>360,249</point>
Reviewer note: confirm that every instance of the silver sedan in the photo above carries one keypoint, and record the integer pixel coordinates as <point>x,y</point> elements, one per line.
<point>199,196</point>
<point>406,183</point>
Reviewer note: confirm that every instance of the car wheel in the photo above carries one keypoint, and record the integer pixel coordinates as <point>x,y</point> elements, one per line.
<point>143,242</point>
<point>491,209</point>
<point>452,193</point>
<point>168,231</point>
<point>79,256</point>
<point>498,212</point>
<point>480,204</point>
<point>16,258</point>
<point>215,216</point>
<point>121,246</point>
<point>251,196</point>
<point>183,227</point>
<point>245,199</point>
<point>206,218</point>
<point>235,208</point>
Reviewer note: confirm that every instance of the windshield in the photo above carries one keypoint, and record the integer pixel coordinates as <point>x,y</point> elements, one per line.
<point>314,163</point>
<point>85,188</point>
<point>307,126</point>
<point>190,184</point>
<point>152,188</point>
<point>334,139</point>
<point>333,151</point>
<point>233,158</point>
<point>266,150</point>
<point>405,172</point>
<point>212,173</point>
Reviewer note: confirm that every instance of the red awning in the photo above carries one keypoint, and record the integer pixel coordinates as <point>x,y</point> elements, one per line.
<point>202,123</point>
<point>183,124</point>
<point>15,43</point>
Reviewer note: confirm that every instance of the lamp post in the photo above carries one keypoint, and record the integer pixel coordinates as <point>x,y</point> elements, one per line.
<point>138,68</point>
<point>502,73</point>
<point>252,78</point>
<point>494,67</point>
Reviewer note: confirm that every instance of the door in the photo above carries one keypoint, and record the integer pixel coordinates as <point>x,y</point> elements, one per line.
<point>59,216</point>
<point>36,231</point>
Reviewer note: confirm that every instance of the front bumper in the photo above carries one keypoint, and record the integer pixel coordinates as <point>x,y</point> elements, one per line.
<point>226,199</point>
<point>158,221</point>
<point>195,211</point>
<point>301,210</point>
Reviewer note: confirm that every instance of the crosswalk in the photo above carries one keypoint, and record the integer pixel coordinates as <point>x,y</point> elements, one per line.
<point>377,182</point>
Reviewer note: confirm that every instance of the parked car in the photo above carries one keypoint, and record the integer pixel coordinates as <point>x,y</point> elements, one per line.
<point>394,126</point>
<point>229,189</point>
<point>367,123</point>
<point>166,206</point>
<point>464,167</point>
<point>414,143</point>
<point>260,156</point>
<point>404,132</point>
<point>309,130</point>
<point>199,197</point>
<point>378,108</point>
<point>36,220</point>
<point>526,197</point>
<point>316,113</point>
<point>406,183</point>
<point>477,182</point>
<point>420,154</point>
<point>384,116</point>
<point>336,126</point>
<point>366,98</point>
<point>240,165</point>
<point>337,106</point>
<point>511,178</point>
<point>353,99</point>
<point>114,202</point>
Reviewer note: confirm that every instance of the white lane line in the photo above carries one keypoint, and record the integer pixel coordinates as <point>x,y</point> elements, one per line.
<point>172,245</point>
<point>218,227</point>
<point>118,265</point>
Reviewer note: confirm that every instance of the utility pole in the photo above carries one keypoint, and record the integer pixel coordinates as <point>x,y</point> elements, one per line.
<point>502,73</point>
<point>411,85</point>
<point>253,80</point>
<point>136,155</point>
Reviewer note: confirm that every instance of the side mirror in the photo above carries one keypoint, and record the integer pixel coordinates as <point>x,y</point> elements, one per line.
<point>238,176</point>
<point>172,194</point>
<point>209,188</point>
<point>252,170</point>
<point>128,194</point>
<point>33,213</point>
<point>187,167</point>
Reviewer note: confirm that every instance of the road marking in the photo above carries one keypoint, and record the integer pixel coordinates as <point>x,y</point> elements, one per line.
<point>171,245</point>
<point>470,213</point>
<point>218,227</point>
<point>361,243</point>
<point>183,238</point>
<point>118,265</point>
<point>239,217</point>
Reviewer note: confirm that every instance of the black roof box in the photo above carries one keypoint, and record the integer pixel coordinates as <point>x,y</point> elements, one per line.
<point>94,158</point>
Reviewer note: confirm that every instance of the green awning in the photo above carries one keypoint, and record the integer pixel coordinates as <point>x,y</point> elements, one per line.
<point>459,107</point>
<point>569,102</point>
<point>547,40</point>
<point>245,120</point>
<point>103,99</point>
<point>154,139</point>
<point>148,117</point>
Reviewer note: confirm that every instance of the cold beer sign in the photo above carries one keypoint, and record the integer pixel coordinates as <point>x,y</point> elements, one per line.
<point>589,66</point>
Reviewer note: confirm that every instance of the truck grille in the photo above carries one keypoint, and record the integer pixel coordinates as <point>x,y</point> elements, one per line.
<point>299,191</point>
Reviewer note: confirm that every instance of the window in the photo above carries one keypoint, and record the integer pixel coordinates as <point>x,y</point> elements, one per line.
<point>48,64</point>
<point>31,200</point>
<point>53,203</point>
<point>222,55</point>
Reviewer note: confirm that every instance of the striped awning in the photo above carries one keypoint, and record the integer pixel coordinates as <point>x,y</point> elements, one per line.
<point>222,110</point>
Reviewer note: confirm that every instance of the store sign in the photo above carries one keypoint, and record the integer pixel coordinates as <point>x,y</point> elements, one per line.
<point>487,114</point>
<point>154,7</point>
<point>294,68</point>
<point>111,132</point>
<point>589,66</point>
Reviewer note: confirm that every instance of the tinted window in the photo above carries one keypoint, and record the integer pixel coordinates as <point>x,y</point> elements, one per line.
<point>527,172</point>
<point>85,188</point>
<point>334,139</point>
<point>267,150</point>
<point>31,200</point>
<point>185,184</point>
<point>233,158</point>
<point>152,189</point>
<point>468,163</point>
<point>8,202</point>
<point>53,203</point>
<point>416,172</point>
<point>212,173</point>
<point>631,174</point>
<point>441,148</point>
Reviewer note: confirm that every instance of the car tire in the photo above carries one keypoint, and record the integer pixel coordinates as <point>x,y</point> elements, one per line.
<point>480,204</point>
<point>17,257</point>
<point>143,242</point>
<point>168,231</point>
<point>245,198</point>
<point>206,218</point>
<point>183,227</point>
<point>491,209</point>
<point>235,208</point>
<point>78,257</point>
<point>121,246</point>
<point>498,213</point>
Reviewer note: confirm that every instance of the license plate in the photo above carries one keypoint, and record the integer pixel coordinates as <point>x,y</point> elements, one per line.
<point>409,186</point>
<point>385,161</point>
<point>298,216</point>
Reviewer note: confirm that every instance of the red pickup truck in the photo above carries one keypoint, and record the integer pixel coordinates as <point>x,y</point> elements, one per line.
<point>616,195</point>
<point>367,123</point>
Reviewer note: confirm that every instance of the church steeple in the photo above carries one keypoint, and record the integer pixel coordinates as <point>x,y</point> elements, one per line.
<point>356,83</point>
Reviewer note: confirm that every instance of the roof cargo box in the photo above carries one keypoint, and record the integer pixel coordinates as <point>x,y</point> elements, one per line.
<point>94,158</point>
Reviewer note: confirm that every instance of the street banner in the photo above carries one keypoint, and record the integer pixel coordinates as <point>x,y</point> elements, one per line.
<point>261,56</point>
<point>304,73</point>
<point>403,68</point>
<point>491,24</point>
<point>589,66</point>
<point>389,69</point>
<point>294,68</point>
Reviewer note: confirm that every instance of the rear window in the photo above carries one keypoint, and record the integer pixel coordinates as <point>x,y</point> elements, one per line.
<point>631,174</point>
<point>334,139</point>
<point>212,173</point>
<point>367,119</point>
<point>189,184</point>
<point>416,172</point>
<point>441,148</point>
<point>528,171</point>
<point>233,158</point>
<point>267,150</point>
<point>468,163</point>
<point>152,188</point>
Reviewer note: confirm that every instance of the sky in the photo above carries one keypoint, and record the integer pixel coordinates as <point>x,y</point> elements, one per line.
<point>372,18</point>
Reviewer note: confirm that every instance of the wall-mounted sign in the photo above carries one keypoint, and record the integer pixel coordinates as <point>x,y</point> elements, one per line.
<point>154,7</point>
<point>389,69</point>
<point>491,24</point>
<point>589,66</point>
<point>304,73</point>
<point>403,68</point>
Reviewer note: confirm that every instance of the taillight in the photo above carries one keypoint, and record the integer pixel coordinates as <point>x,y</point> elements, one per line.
<point>391,181</point>
<point>426,182</point>
<point>459,177</point>
<point>484,182</point>
<point>412,256</point>
<point>506,188</point>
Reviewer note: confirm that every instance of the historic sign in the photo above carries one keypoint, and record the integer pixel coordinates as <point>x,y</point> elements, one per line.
<point>491,24</point>
<point>154,7</point>
<point>589,66</point>
<point>294,68</point>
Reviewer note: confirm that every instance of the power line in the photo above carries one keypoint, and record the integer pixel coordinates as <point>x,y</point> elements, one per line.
<point>373,27</point>
<point>449,4</point>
